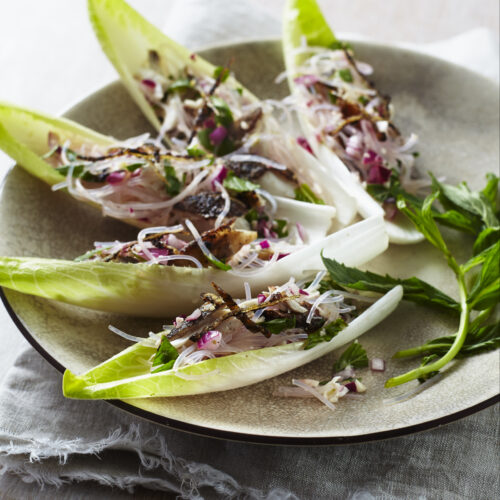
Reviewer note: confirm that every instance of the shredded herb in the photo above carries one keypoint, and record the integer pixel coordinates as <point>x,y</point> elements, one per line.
<point>134,166</point>
<point>363,100</point>
<point>165,356</point>
<point>325,334</point>
<point>238,184</point>
<point>346,75</point>
<point>280,228</point>
<point>354,355</point>
<point>305,193</point>
<point>77,170</point>
<point>221,73</point>
<point>195,152</point>
<point>279,325</point>
<point>173,185</point>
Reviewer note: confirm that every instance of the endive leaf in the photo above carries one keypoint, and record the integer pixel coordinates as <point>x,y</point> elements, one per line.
<point>151,290</point>
<point>126,375</point>
<point>24,137</point>
<point>126,38</point>
<point>303,20</point>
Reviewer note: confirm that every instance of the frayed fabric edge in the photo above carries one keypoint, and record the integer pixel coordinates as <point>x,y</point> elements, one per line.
<point>153,453</point>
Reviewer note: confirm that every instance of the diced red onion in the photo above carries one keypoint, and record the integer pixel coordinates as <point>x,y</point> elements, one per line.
<point>306,80</point>
<point>149,83</point>
<point>378,175</point>
<point>210,340</point>
<point>220,175</point>
<point>377,365</point>
<point>218,135</point>
<point>175,242</point>
<point>264,244</point>
<point>116,177</point>
<point>390,209</point>
<point>302,292</point>
<point>194,315</point>
<point>282,255</point>
<point>261,298</point>
<point>303,142</point>
<point>159,252</point>
<point>192,57</point>
<point>351,386</point>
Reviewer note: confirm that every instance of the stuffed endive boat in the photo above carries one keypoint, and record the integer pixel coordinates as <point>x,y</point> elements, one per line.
<point>198,107</point>
<point>156,274</point>
<point>225,344</point>
<point>143,183</point>
<point>346,120</point>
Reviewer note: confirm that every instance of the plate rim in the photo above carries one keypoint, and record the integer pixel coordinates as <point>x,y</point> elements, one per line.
<point>268,439</point>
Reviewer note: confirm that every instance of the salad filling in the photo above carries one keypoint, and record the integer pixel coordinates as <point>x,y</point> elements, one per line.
<point>151,185</point>
<point>350,116</point>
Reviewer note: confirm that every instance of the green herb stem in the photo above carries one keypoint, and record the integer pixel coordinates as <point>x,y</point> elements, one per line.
<point>455,347</point>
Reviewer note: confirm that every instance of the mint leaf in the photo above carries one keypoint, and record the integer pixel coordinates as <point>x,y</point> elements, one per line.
<point>223,115</point>
<point>415,289</point>
<point>221,73</point>
<point>491,190</point>
<point>346,75</point>
<point>280,228</point>
<point>486,238</point>
<point>485,292</point>
<point>278,325</point>
<point>305,193</point>
<point>165,356</point>
<point>238,184</point>
<point>354,356</point>
<point>325,334</point>
<point>172,184</point>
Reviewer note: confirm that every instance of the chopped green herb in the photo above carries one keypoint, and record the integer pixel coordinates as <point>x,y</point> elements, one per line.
<point>278,325</point>
<point>195,152</point>
<point>346,75</point>
<point>238,184</point>
<point>77,170</point>
<point>180,85</point>
<point>363,100</point>
<point>221,73</point>
<point>325,334</point>
<point>354,356</point>
<point>134,166</point>
<point>165,356</point>
<point>280,228</point>
<point>333,97</point>
<point>173,185</point>
<point>239,90</point>
<point>252,216</point>
<point>223,115</point>
<point>305,193</point>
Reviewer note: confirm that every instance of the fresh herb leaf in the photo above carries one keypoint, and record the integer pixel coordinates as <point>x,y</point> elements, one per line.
<point>223,115</point>
<point>478,340</point>
<point>195,152</point>
<point>221,73</point>
<point>252,216</point>
<point>173,185</point>
<point>238,184</point>
<point>485,291</point>
<point>64,170</point>
<point>486,238</point>
<point>491,189</point>
<point>134,166</point>
<point>325,334</point>
<point>363,100</point>
<point>391,191</point>
<point>165,356</point>
<point>305,193</point>
<point>354,356</point>
<point>415,289</point>
<point>279,325</point>
<point>239,90</point>
<point>346,75</point>
<point>462,199</point>
<point>180,85</point>
<point>280,228</point>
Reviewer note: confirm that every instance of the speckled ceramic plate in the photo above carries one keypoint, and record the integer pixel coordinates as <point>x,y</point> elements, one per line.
<point>455,113</point>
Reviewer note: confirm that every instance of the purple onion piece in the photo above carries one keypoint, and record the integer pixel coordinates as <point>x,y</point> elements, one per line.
<point>264,244</point>
<point>210,340</point>
<point>194,315</point>
<point>351,386</point>
<point>116,177</point>
<point>302,141</point>
<point>261,298</point>
<point>218,135</point>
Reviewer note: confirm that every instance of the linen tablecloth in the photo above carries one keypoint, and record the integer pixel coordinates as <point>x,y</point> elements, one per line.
<point>81,449</point>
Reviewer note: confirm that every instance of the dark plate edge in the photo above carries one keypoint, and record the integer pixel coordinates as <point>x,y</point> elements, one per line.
<point>254,438</point>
